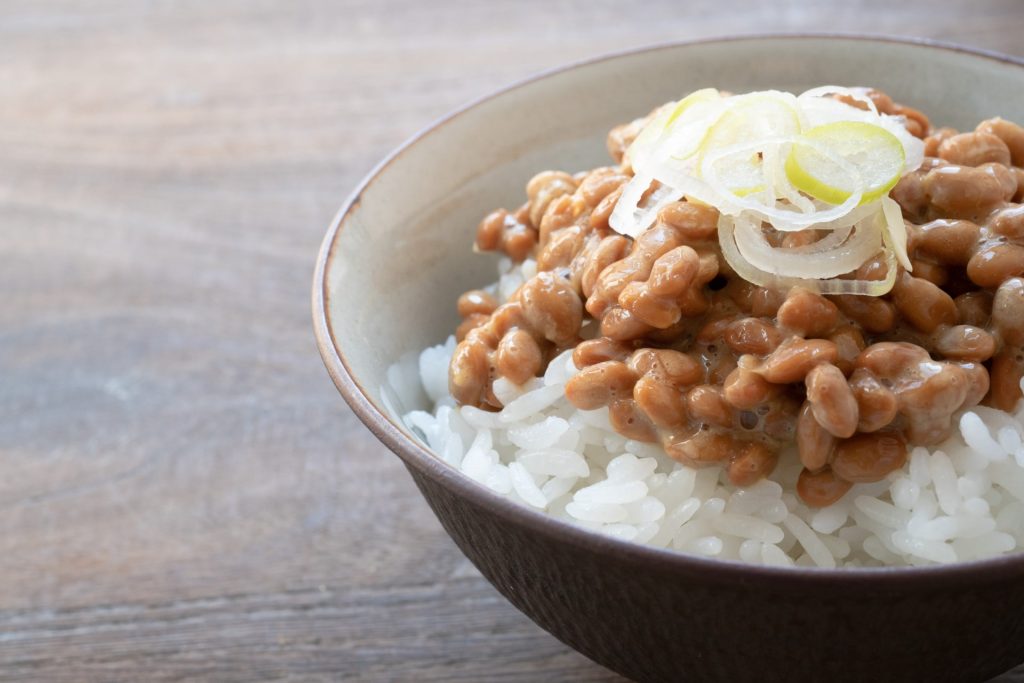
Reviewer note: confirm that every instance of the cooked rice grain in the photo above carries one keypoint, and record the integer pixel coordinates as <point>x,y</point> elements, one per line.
<point>963,500</point>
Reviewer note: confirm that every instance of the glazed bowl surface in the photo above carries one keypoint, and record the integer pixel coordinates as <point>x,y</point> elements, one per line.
<point>399,253</point>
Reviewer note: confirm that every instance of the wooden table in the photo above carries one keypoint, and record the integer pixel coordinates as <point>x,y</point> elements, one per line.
<point>183,495</point>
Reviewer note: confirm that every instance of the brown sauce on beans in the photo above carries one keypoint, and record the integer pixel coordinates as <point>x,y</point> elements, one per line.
<point>719,371</point>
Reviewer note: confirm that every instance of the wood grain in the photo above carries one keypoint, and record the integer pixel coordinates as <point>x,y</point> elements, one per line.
<point>183,495</point>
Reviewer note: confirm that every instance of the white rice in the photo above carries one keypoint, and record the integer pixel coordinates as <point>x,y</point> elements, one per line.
<point>961,501</point>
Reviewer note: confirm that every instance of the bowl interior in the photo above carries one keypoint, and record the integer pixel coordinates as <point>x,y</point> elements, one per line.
<point>403,251</point>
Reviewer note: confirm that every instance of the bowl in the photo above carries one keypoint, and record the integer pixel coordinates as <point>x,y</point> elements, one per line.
<point>397,256</point>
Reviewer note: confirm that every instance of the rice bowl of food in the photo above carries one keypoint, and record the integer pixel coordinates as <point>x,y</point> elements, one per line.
<point>755,375</point>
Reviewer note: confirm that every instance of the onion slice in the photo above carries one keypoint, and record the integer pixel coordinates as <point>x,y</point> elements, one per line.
<point>784,220</point>
<point>631,219</point>
<point>730,152</point>
<point>823,92</point>
<point>895,233</point>
<point>845,257</point>
<point>830,286</point>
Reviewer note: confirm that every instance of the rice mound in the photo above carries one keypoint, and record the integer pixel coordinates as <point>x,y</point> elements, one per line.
<point>961,501</point>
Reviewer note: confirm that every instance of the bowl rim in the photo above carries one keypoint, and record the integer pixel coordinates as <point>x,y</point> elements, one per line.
<point>416,455</point>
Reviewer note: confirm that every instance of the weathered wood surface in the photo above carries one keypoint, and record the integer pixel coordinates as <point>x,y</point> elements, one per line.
<point>183,495</point>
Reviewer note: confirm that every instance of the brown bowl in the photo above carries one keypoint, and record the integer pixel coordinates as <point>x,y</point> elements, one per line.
<point>397,256</point>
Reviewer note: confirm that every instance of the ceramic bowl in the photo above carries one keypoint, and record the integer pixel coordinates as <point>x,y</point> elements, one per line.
<point>397,256</point>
